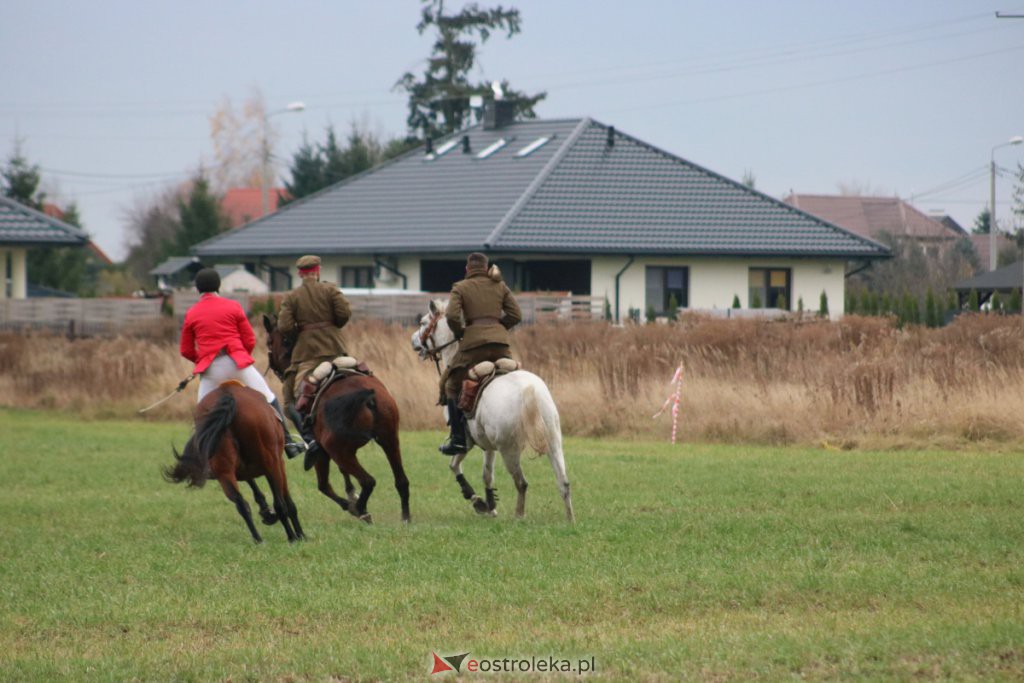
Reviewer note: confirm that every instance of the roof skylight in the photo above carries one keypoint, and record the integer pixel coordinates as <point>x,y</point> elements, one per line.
<point>492,148</point>
<point>533,146</point>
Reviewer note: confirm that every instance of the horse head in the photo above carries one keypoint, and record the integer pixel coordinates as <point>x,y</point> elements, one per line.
<point>279,346</point>
<point>433,334</point>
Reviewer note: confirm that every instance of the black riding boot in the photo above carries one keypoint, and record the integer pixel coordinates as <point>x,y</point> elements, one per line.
<point>305,427</point>
<point>456,443</point>
<point>291,446</point>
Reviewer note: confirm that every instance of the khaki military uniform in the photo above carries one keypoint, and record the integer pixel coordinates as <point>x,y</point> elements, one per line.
<point>481,311</point>
<point>316,311</point>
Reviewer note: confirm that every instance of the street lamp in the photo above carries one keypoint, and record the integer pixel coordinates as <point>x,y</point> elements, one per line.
<point>265,157</point>
<point>1015,140</point>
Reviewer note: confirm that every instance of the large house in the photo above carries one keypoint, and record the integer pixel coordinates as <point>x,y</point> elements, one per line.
<point>23,228</point>
<point>561,205</point>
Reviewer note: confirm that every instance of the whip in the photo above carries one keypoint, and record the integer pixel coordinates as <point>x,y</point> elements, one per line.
<point>181,386</point>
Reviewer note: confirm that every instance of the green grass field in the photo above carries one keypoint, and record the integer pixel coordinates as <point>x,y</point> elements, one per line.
<point>698,562</point>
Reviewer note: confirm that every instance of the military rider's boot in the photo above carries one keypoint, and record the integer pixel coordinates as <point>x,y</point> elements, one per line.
<point>291,446</point>
<point>313,449</point>
<point>456,443</point>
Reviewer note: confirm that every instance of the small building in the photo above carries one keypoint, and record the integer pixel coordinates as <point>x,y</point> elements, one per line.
<point>23,228</point>
<point>1005,281</point>
<point>235,278</point>
<point>562,205</point>
<point>176,271</point>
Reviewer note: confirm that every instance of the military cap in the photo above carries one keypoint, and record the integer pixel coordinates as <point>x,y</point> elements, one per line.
<point>307,262</point>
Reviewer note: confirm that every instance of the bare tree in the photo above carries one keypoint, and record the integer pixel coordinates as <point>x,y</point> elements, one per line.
<point>238,137</point>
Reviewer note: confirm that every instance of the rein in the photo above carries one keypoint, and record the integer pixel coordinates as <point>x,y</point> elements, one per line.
<point>428,336</point>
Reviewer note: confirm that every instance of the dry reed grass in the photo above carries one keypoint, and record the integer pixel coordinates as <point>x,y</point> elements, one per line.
<point>859,382</point>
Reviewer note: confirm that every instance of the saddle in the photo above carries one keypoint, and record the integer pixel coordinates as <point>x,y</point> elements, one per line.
<point>324,375</point>
<point>480,376</point>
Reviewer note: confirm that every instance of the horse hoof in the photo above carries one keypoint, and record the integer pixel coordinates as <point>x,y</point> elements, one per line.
<point>258,540</point>
<point>480,505</point>
<point>368,518</point>
<point>269,519</point>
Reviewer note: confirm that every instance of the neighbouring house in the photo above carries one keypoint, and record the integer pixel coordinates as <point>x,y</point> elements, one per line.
<point>241,205</point>
<point>879,218</point>
<point>562,205</point>
<point>1003,280</point>
<point>21,229</point>
<point>176,271</point>
<point>235,278</point>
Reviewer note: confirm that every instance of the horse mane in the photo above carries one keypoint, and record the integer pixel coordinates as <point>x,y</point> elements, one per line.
<point>193,464</point>
<point>341,411</point>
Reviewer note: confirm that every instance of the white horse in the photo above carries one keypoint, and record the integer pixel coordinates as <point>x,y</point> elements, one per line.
<point>515,411</point>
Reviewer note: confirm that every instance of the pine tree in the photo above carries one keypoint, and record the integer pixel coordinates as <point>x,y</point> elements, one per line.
<point>851,302</point>
<point>781,303</point>
<point>996,303</point>
<point>972,301</point>
<point>755,299</point>
<point>823,304</point>
<point>931,310</point>
<point>439,99</point>
<point>200,216</point>
<point>736,301</point>
<point>800,306</point>
<point>1015,301</point>
<point>673,307</point>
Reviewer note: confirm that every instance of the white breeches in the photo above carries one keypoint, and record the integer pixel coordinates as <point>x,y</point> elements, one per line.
<point>223,368</point>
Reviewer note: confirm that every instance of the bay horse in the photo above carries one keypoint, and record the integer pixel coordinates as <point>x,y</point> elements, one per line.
<point>238,437</point>
<point>349,414</point>
<point>514,412</point>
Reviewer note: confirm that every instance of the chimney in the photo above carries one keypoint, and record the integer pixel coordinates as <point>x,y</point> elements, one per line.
<point>498,114</point>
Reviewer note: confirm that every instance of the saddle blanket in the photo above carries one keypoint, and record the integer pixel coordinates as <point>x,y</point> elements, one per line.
<point>480,376</point>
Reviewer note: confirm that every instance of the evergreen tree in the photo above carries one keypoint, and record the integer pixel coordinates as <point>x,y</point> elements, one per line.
<point>21,180</point>
<point>755,299</point>
<point>781,303</point>
<point>972,301</point>
<point>736,301</point>
<point>199,215</point>
<point>823,304</point>
<point>851,302</point>
<point>931,310</point>
<point>996,303</point>
<point>673,307</point>
<point>1015,301</point>
<point>982,222</point>
<point>439,99</point>
<point>800,306</point>
<point>952,302</point>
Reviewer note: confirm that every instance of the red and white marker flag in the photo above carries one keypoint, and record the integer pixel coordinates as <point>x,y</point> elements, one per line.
<point>673,399</point>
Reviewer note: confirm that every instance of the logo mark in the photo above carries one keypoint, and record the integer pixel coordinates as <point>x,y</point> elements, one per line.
<point>450,663</point>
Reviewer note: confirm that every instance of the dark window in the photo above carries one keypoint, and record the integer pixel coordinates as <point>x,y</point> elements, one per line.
<point>554,276</point>
<point>770,288</point>
<point>280,281</point>
<point>439,276</point>
<point>357,276</point>
<point>664,285</point>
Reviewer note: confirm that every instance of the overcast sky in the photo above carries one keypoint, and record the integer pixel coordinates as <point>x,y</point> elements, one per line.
<point>112,99</point>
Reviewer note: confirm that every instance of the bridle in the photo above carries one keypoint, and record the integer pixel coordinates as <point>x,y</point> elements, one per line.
<point>427,336</point>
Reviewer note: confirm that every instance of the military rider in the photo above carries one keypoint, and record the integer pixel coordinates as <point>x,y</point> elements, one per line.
<point>315,311</point>
<point>218,338</point>
<point>480,313</point>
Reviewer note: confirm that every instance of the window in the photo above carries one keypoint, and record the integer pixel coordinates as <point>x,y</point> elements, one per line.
<point>770,288</point>
<point>357,276</point>
<point>665,284</point>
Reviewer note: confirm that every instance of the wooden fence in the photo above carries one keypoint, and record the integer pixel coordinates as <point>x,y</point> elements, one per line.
<point>80,316</point>
<point>408,308</point>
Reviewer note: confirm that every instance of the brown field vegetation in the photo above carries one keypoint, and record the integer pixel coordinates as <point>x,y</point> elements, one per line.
<point>860,382</point>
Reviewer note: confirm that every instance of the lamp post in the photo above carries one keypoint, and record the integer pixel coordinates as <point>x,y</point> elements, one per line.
<point>265,156</point>
<point>1015,140</point>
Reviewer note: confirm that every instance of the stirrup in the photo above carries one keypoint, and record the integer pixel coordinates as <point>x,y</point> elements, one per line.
<point>452,448</point>
<point>314,452</point>
<point>292,448</point>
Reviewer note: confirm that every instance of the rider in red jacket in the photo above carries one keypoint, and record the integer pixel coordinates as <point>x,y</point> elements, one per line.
<point>218,338</point>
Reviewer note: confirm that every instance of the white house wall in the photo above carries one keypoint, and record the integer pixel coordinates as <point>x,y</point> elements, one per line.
<point>13,265</point>
<point>714,281</point>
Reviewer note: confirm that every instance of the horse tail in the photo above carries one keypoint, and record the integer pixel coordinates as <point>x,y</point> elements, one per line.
<point>532,422</point>
<point>193,464</point>
<point>341,413</point>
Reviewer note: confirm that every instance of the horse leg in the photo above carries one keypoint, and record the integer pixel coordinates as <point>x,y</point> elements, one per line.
<point>393,451</point>
<point>323,483</point>
<point>350,492</point>
<point>348,464</point>
<point>467,491</point>
<point>489,490</point>
<point>230,486</point>
<point>280,492</point>
<point>512,464</point>
<point>557,459</point>
<point>266,513</point>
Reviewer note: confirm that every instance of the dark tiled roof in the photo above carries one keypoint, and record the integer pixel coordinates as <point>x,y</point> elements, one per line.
<point>573,194</point>
<point>22,225</point>
<point>175,264</point>
<point>1002,279</point>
